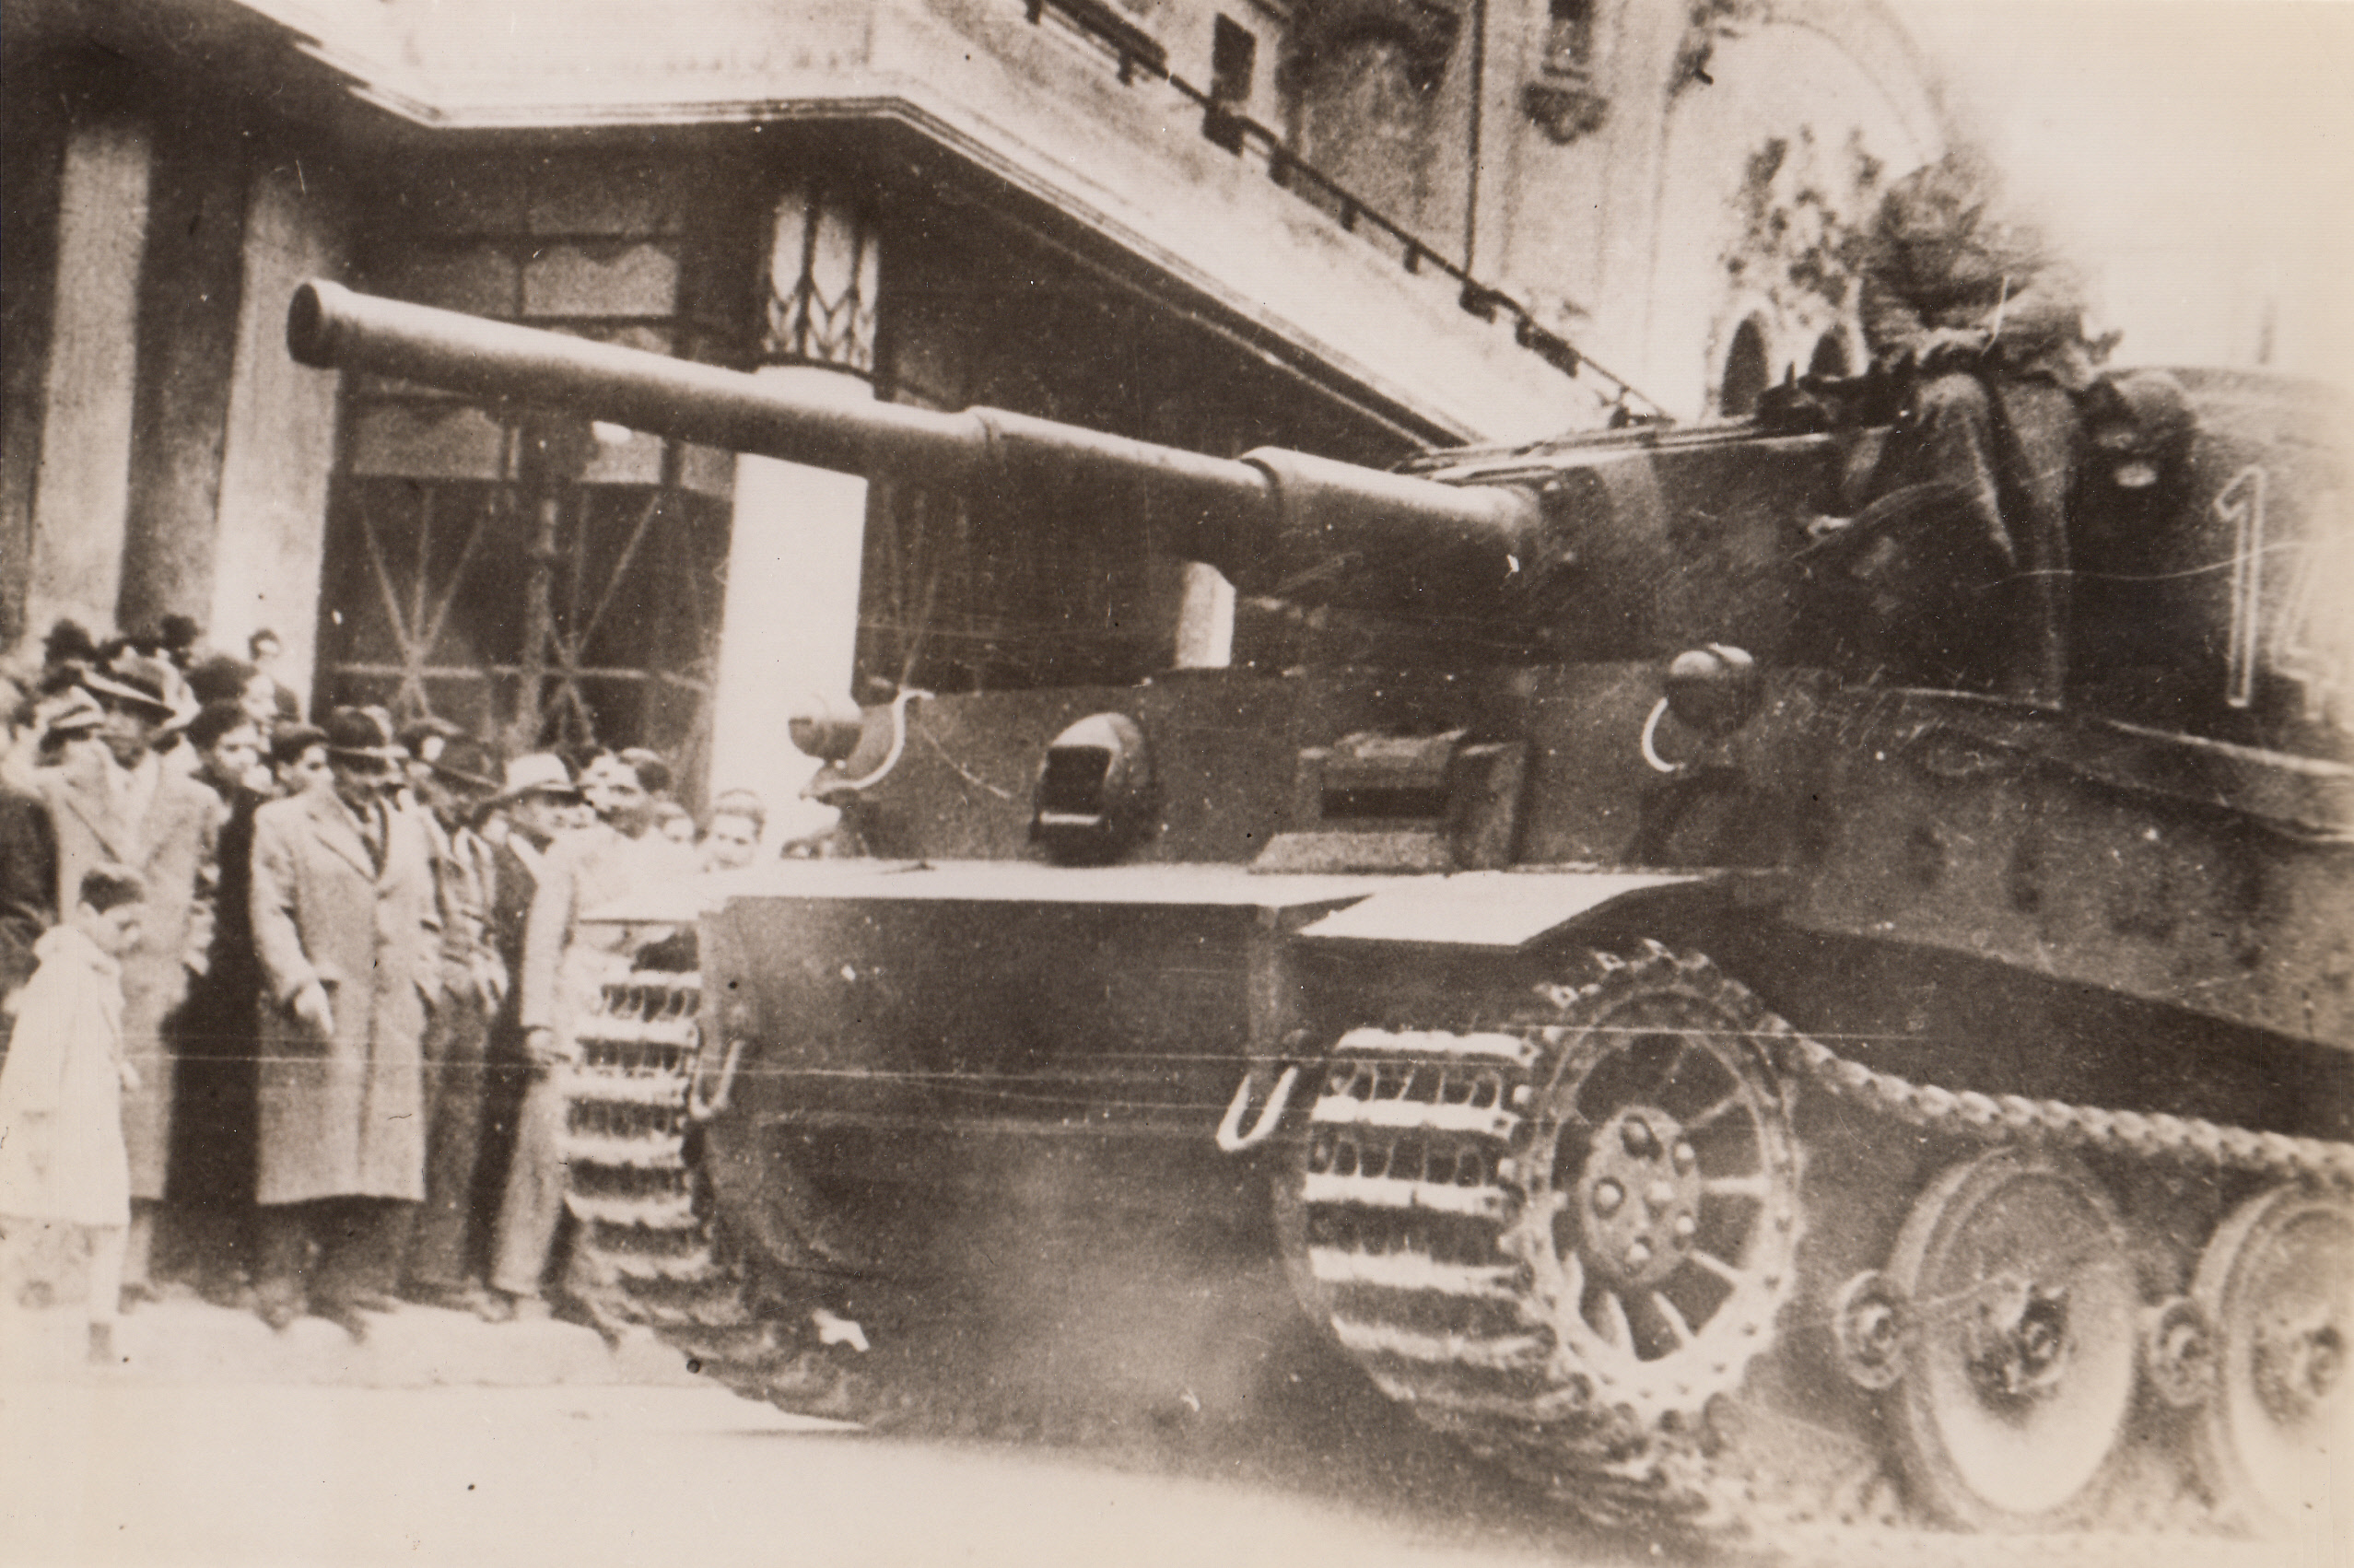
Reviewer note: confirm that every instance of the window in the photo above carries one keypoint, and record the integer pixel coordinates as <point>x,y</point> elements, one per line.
<point>1366,76</point>
<point>1233,59</point>
<point>1569,36</point>
<point>1829,357</point>
<point>1745,372</point>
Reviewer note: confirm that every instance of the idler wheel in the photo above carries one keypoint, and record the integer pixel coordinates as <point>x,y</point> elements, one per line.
<point>1659,1181</point>
<point>2022,1339</point>
<point>1869,1326</point>
<point>2277,1281</point>
<point>2178,1352</point>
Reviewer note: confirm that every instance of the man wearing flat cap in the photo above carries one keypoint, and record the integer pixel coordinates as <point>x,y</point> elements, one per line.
<point>348,931</point>
<point>112,801</point>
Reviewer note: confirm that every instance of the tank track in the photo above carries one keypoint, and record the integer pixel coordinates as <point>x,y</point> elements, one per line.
<point>1410,1244</point>
<point>629,1188</point>
<point>646,1253</point>
<point>1412,1270</point>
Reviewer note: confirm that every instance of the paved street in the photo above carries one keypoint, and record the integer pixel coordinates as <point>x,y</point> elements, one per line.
<point>317,1453</point>
<point>155,1474</point>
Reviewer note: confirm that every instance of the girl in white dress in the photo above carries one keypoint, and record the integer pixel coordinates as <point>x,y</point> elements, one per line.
<point>62,1162</point>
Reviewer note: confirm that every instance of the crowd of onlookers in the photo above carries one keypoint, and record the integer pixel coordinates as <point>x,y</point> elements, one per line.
<point>288,1005</point>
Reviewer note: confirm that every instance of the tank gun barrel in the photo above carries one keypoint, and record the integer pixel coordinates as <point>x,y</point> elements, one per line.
<point>1271,519</point>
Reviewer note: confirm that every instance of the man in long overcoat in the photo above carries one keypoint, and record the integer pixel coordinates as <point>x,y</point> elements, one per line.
<point>345,924</point>
<point>212,1148</point>
<point>112,801</point>
<point>450,776</point>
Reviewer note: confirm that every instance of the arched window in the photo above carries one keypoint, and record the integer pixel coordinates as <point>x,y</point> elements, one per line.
<point>1364,122</point>
<point>1746,376</point>
<point>1365,78</point>
<point>1829,357</point>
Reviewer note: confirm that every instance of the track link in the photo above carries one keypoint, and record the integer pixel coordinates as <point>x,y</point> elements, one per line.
<point>1413,1246</point>
<point>646,1252</point>
<point>640,1242</point>
<point>1417,1243</point>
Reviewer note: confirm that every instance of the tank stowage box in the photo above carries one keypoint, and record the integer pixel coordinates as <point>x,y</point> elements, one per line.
<point>1607,961</point>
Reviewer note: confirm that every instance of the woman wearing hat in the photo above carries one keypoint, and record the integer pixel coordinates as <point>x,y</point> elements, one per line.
<point>347,930</point>
<point>112,801</point>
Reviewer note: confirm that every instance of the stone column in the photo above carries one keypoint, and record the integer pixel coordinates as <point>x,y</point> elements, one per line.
<point>278,451</point>
<point>81,497</point>
<point>790,628</point>
<point>188,321</point>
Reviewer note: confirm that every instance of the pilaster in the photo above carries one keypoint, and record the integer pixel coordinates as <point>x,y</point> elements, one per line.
<point>279,449</point>
<point>81,496</point>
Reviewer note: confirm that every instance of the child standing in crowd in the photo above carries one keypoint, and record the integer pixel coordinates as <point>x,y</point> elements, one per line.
<point>63,1160</point>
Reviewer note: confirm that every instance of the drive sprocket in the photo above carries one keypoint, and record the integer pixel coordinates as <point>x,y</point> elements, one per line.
<point>1561,1237</point>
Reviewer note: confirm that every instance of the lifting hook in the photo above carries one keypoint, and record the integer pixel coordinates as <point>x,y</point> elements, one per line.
<point>1231,1138</point>
<point>1650,740</point>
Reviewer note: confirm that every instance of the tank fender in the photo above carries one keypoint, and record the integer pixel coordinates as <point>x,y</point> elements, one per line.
<point>1509,910</point>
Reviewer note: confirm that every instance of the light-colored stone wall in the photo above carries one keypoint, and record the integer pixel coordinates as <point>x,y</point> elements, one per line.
<point>1638,223</point>
<point>279,445</point>
<point>189,300</point>
<point>83,484</point>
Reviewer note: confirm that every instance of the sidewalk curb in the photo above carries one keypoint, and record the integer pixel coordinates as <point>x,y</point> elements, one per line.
<point>189,1341</point>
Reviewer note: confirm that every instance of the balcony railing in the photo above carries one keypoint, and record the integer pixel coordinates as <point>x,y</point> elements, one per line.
<point>1139,54</point>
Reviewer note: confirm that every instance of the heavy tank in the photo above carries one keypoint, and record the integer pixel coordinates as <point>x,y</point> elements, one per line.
<point>1621,973</point>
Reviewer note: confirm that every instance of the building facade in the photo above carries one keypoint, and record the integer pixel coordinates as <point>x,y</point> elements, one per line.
<point>1350,227</point>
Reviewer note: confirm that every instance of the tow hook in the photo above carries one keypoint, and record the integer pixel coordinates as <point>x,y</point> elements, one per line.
<point>1232,1139</point>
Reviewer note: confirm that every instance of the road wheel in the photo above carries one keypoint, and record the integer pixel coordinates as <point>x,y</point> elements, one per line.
<point>2021,1341</point>
<point>1560,1238</point>
<point>2276,1283</point>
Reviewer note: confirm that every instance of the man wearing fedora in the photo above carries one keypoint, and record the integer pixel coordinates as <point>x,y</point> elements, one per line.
<point>527,818</point>
<point>112,801</point>
<point>347,925</point>
<point>451,777</point>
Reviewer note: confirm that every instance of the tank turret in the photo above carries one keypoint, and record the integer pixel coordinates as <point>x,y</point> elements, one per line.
<point>1666,1018</point>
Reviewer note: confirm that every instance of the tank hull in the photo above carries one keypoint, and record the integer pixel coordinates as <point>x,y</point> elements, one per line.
<point>1616,949</point>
